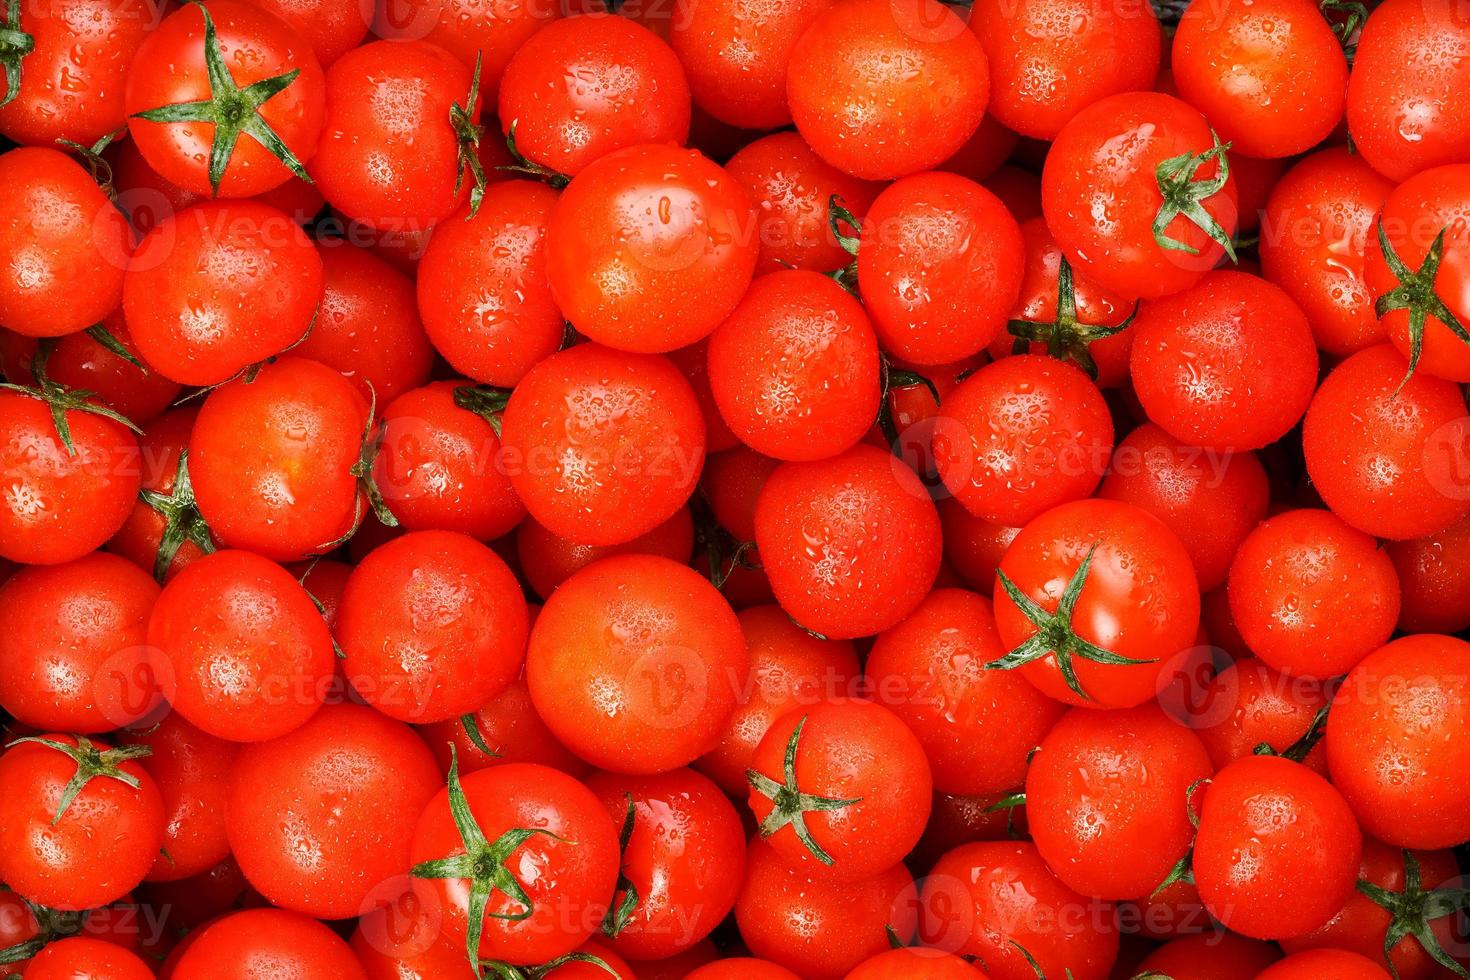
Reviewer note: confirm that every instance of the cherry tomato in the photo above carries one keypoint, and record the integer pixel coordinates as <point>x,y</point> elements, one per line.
<point>510,727</point>
<point>1249,704</point>
<point>400,939</point>
<point>469,30</point>
<point>973,546</point>
<point>901,963</point>
<point>1336,963</point>
<point>741,968</point>
<point>548,560</point>
<point>1210,957</point>
<point>331,27</point>
<point>81,958</point>
<point>267,942</point>
<point>192,771</point>
<point>1434,580</point>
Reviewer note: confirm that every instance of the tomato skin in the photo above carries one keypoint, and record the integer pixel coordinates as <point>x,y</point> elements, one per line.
<point>1408,103</point>
<point>1389,747</point>
<point>331,27</point>
<point>886,90</point>
<point>939,268</point>
<point>97,852</point>
<point>249,654</point>
<point>1248,704</point>
<point>1049,59</point>
<point>218,287</point>
<point>901,964</point>
<point>1434,577</point>
<point>267,942</point>
<point>509,724</point>
<point>603,446</point>
<point>548,560</point>
<point>650,247</point>
<point>81,958</point>
<point>400,939</point>
<point>1379,454</point>
<point>1277,872</point>
<point>693,363</point>
<point>741,968</point>
<point>433,624</point>
<point>1313,963</point>
<point>170,69</point>
<point>65,245</point>
<point>816,927</point>
<point>1211,957</point>
<point>973,546</point>
<point>568,884</point>
<point>659,635</point>
<point>482,287</point>
<point>78,361</point>
<point>467,29</point>
<point>1085,178</point>
<point>794,369</point>
<point>73,655</point>
<point>1314,238</point>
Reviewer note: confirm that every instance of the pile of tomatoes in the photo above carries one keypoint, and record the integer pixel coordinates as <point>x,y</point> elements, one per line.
<point>734,489</point>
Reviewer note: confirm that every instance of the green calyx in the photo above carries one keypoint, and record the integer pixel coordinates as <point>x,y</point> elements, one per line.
<point>181,519</point>
<point>1413,910</point>
<point>724,553</point>
<point>51,925</point>
<point>838,218</point>
<point>61,400</point>
<point>485,401</point>
<point>524,167</point>
<point>1066,337</point>
<point>468,132</point>
<point>1299,750</point>
<point>92,763</point>
<point>1054,633</point>
<point>506,971</point>
<point>367,456</point>
<point>483,865</point>
<point>1415,293</point>
<point>15,44</point>
<point>232,111</point>
<point>1183,869</point>
<point>1185,192</point>
<point>1353,14</point>
<point>619,914</point>
<point>789,805</point>
<point>112,345</point>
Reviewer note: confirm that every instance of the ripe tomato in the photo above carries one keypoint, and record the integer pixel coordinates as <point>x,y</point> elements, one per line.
<point>75,850</point>
<point>433,624</point>
<point>1210,956</point>
<point>1390,746</point>
<point>83,958</point>
<point>583,87</point>
<point>1249,704</point>
<point>851,544</point>
<point>1409,96</point>
<point>1049,59</point>
<point>649,248</point>
<point>881,90</point>
<point>1382,451</point>
<point>469,29</point>
<point>521,859</point>
<point>1311,595</point>
<point>1096,598</point>
<point>225,101</point>
<point>267,942</point>
<point>635,663</point>
<point>901,964</point>
<point>1314,236</point>
<point>64,243</point>
<point>741,968</point>
<point>1123,166</point>
<point>218,287</point>
<point>73,655</point>
<point>331,27</point>
<point>1314,963</point>
<point>510,727</point>
<point>400,939</point>
<point>1434,579</point>
<point>246,651</point>
<point>547,560</point>
<point>1277,850</point>
<point>973,546</point>
<point>794,370</point>
<point>603,446</point>
<point>482,286</point>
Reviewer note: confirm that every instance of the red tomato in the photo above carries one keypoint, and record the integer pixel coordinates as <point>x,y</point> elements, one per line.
<point>331,27</point>
<point>433,625</point>
<point>909,961</point>
<point>650,248</point>
<point>1249,704</point>
<point>741,968</point>
<point>973,546</point>
<point>192,771</point>
<point>510,727</point>
<point>547,560</point>
<point>1125,164</point>
<point>1210,957</point>
<point>1313,964</point>
<point>267,942</point>
<point>247,653</point>
<point>1434,578</point>
<point>1277,850</point>
<point>635,663</point>
<point>164,532</point>
<point>400,939</point>
<point>693,363</point>
<point>81,958</point>
<point>469,29</point>
<point>881,90</point>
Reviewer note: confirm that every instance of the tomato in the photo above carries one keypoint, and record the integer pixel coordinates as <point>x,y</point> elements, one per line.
<point>73,655</point>
<point>510,727</point>
<point>1382,450</point>
<point>521,860</point>
<point>1434,579</point>
<point>74,852</point>
<point>267,942</point>
<point>741,968</point>
<point>1210,957</point>
<point>400,939</point>
<point>1049,59</point>
<point>650,247</point>
<point>90,361</point>
<point>331,27</point>
<point>1249,704</point>
<point>469,29</point>
<point>1311,595</point>
<point>164,507</point>
<point>1020,436</point>
<point>693,363</point>
<point>901,964</point>
<point>684,860</point>
<point>1418,265</point>
<point>1314,237</point>
<point>482,288</point>
<point>367,327</point>
<point>1336,963</point>
<point>65,245</point>
<point>973,546</point>
<point>1228,363</point>
<point>792,187</point>
<point>1408,103</point>
<point>881,90</point>
<point>433,624</point>
<point>1390,746</point>
<point>246,651</point>
<point>635,662</point>
<point>732,484</point>
<point>81,958</point>
<point>1125,164</point>
<point>977,726</point>
<point>547,560</point>
<point>1132,603</point>
<point>218,287</point>
<point>603,446</point>
<point>992,900</point>
<point>795,368</point>
<point>397,137</point>
<point>225,101</point>
<point>817,927</point>
<point>583,87</point>
<point>1277,850</point>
